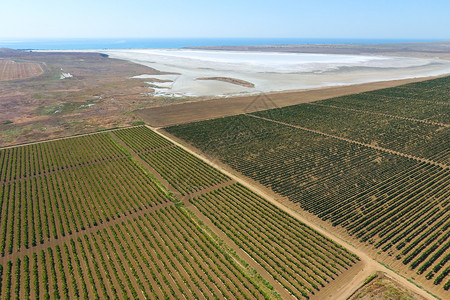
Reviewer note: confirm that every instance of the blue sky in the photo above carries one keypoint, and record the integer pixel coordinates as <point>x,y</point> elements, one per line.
<point>408,19</point>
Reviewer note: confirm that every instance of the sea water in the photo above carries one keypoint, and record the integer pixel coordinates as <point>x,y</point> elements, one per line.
<point>164,43</point>
<point>268,72</point>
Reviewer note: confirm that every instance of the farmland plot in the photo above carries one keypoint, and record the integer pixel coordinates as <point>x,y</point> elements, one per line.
<point>43,208</point>
<point>299,258</point>
<point>302,260</point>
<point>308,168</point>
<point>42,158</point>
<point>185,172</point>
<point>368,163</point>
<point>419,139</point>
<point>428,100</point>
<point>81,218</point>
<point>157,255</point>
<point>11,70</point>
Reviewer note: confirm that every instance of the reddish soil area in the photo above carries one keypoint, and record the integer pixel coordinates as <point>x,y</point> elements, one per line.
<point>99,95</point>
<point>11,70</point>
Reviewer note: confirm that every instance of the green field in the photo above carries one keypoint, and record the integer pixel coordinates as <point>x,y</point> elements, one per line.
<point>294,254</point>
<point>86,217</point>
<point>375,164</point>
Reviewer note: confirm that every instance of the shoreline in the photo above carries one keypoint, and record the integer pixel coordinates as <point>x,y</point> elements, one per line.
<point>270,72</point>
<point>383,83</point>
<point>430,49</point>
<point>275,72</point>
<point>211,108</point>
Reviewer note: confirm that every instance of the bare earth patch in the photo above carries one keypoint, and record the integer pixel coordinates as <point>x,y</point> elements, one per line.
<point>12,70</point>
<point>100,94</point>
<point>381,287</point>
<point>230,80</point>
<point>187,112</point>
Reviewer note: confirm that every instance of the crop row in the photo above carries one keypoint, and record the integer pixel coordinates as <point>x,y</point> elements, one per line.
<point>160,255</point>
<point>405,101</point>
<point>301,259</point>
<point>12,70</point>
<point>185,172</point>
<point>402,107</point>
<point>407,216</point>
<point>36,159</point>
<point>310,169</point>
<point>435,91</point>
<point>37,209</point>
<point>141,139</point>
<point>397,204</point>
<point>414,138</point>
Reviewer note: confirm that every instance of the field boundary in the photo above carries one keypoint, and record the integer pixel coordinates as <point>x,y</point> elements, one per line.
<point>184,200</point>
<point>415,99</point>
<point>380,114</point>
<point>81,233</point>
<point>30,68</point>
<point>241,254</point>
<point>146,166</point>
<point>195,111</point>
<point>369,264</point>
<point>67,137</point>
<point>444,166</point>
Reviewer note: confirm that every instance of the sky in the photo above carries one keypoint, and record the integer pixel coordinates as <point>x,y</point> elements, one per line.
<point>396,19</point>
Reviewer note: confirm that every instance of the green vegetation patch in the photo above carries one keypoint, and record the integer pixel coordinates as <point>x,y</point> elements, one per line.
<point>61,108</point>
<point>399,204</point>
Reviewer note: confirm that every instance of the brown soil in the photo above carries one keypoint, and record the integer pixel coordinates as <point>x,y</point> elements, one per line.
<point>230,80</point>
<point>338,290</point>
<point>100,95</point>
<point>215,108</point>
<point>11,70</point>
<point>383,287</point>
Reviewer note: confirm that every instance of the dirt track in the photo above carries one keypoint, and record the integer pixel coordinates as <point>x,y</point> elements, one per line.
<point>344,286</point>
<point>81,233</point>
<point>336,290</point>
<point>444,166</point>
<point>382,114</point>
<point>66,137</point>
<point>215,108</point>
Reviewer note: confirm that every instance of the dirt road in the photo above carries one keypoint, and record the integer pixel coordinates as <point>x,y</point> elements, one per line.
<point>67,137</point>
<point>340,292</point>
<point>444,166</point>
<point>187,112</point>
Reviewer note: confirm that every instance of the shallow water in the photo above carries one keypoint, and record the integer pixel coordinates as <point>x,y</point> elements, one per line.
<point>270,71</point>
